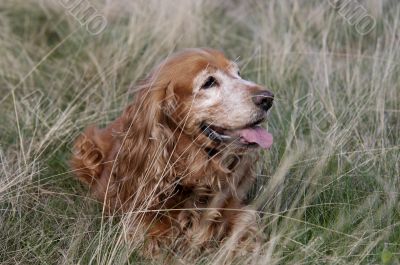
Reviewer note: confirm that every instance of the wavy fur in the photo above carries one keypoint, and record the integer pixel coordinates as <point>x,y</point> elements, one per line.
<point>153,157</point>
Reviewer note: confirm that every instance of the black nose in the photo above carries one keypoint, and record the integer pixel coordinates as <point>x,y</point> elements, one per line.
<point>263,99</point>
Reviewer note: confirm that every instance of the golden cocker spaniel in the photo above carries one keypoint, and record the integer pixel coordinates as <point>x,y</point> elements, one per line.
<point>181,158</point>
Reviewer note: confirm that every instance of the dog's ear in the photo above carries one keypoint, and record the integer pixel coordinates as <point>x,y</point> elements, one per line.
<point>146,146</point>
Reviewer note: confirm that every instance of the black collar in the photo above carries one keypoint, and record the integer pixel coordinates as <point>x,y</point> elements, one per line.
<point>211,151</point>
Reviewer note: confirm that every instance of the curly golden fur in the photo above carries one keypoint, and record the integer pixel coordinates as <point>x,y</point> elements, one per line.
<point>187,188</point>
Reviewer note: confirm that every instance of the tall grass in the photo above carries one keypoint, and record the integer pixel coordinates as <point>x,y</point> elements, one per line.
<point>328,189</point>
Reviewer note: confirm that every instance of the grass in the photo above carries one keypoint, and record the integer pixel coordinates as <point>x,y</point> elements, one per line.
<point>329,186</point>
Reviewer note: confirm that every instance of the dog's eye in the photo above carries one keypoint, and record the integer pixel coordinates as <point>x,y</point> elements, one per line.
<point>210,82</point>
<point>238,73</point>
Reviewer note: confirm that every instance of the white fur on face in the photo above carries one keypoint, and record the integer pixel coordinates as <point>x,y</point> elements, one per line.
<point>229,103</point>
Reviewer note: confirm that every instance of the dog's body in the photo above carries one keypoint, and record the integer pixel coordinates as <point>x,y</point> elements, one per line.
<point>181,158</point>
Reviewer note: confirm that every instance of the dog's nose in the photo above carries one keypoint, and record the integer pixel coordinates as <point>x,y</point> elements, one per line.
<point>263,99</point>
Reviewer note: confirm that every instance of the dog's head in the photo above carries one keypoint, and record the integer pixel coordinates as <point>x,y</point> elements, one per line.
<point>203,94</point>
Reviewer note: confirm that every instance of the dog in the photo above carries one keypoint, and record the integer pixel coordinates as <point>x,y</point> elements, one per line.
<point>181,158</point>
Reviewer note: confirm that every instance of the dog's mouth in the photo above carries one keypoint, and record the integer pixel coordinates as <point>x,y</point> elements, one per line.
<point>252,135</point>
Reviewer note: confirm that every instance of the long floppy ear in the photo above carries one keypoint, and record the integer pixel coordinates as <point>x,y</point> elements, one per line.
<point>141,166</point>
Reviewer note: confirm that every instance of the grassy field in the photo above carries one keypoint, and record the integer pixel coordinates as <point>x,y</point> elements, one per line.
<point>328,188</point>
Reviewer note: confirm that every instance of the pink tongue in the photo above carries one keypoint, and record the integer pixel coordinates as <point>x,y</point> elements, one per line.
<point>257,135</point>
